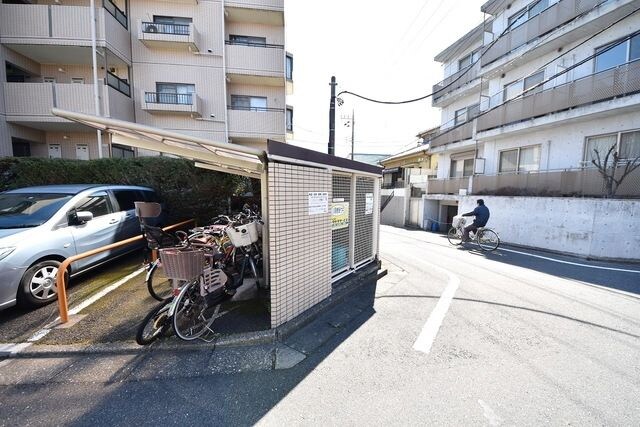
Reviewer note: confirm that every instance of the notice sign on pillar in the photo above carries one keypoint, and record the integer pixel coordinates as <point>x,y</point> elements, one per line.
<point>318,203</point>
<point>368,204</point>
<point>339,215</point>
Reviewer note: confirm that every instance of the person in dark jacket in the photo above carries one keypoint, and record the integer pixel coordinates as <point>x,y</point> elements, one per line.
<point>481,214</point>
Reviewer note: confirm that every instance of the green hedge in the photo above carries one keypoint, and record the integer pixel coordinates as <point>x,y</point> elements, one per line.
<point>187,191</point>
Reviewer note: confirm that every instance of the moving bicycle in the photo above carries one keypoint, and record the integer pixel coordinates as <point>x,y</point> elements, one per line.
<point>486,238</point>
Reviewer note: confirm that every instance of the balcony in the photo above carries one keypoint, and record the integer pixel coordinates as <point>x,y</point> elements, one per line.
<point>256,122</point>
<point>447,186</point>
<point>262,12</point>
<point>539,25</point>
<point>621,81</point>
<point>181,103</point>
<point>64,30</point>
<point>30,104</point>
<point>583,182</point>
<point>253,59</point>
<point>257,4</point>
<point>171,36</point>
<point>454,134</point>
<point>468,77</point>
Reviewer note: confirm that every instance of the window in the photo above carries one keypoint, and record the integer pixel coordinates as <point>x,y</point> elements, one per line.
<point>98,204</point>
<point>523,159</point>
<point>534,80</point>
<point>49,79</point>
<point>511,90</point>
<point>247,40</point>
<point>21,148</point>
<point>527,13</point>
<point>473,111</point>
<point>617,53</point>
<point>289,119</point>
<point>127,198</point>
<point>121,152</point>
<point>464,62</point>
<point>461,168</point>
<point>289,67</point>
<point>249,103</point>
<point>630,145</point>
<point>174,93</point>
<point>77,80</point>
<point>467,167</point>
<point>467,113</point>
<point>601,144</point>
<point>461,116</point>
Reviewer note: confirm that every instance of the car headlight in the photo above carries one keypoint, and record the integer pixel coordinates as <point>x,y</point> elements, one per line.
<point>4,252</point>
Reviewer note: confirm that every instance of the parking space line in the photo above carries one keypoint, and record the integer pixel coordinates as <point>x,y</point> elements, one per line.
<point>431,328</point>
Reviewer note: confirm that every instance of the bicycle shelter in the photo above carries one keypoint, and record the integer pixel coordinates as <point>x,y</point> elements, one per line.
<point>321,212</point>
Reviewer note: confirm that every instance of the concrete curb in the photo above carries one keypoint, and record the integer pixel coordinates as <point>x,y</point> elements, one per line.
<point>341,291</point>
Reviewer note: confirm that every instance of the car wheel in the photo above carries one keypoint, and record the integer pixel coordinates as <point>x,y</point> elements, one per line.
<point>38,285</point>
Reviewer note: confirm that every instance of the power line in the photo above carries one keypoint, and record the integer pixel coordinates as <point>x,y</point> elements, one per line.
<point>421,98</point>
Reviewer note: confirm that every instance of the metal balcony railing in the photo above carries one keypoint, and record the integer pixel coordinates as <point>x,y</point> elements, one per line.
<point>454,134</point>
<point>174,29</point>
<point>456,81</point>
<point>253,44</point>
<point>447,186</point>
<point>623,80</point>
<point>118,84</point>
<point>257,109</point>
<point>115,11</point>
<point>168,98</point>
<point>539,25</point>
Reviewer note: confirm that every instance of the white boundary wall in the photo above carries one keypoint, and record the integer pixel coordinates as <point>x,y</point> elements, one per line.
<point>598,228</point>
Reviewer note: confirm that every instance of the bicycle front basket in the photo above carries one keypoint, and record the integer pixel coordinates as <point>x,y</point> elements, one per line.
<point>182,264</point>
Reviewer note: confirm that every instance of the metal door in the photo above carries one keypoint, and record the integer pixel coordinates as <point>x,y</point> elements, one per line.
<point>414,212</point>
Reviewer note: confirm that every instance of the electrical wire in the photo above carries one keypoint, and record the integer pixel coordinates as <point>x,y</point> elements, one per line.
<point>421,98</point>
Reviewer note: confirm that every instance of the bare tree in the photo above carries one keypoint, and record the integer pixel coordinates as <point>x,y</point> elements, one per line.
<point>609,170</point>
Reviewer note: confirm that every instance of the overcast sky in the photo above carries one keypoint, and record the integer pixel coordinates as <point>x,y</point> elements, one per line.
<point>380,49</point>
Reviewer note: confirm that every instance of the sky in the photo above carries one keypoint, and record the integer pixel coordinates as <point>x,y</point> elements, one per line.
<point>379,49</point>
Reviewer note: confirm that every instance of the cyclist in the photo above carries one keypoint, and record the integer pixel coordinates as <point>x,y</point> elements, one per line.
<point>481,214</point>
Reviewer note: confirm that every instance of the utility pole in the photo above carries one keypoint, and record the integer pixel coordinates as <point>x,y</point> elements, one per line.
<point>351,121</point>
<point>332,117</point>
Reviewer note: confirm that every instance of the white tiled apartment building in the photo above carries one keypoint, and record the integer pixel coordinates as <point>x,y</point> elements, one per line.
<point>216,69</point>
<point>586,94</point>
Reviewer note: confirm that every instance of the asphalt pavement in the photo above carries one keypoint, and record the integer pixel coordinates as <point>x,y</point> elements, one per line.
<point>451,336</point>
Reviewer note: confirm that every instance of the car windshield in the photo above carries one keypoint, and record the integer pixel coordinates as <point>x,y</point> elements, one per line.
<point>25,210</point>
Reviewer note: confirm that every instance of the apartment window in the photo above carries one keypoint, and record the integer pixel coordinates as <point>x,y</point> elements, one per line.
<point>617,53</point>
<point>511,90</point>
<point>468,60</point>
<point>461,116</point>
<point>172,93</point>
<point>534,80</point>
<point>522,159</point>
<point>21,148</point>
<point>528,12</point>
<point>289,119</point>
<point>467,113</point>
<point>77,80</point>
<point>289,67</point>
<point>49,79</point>
<point>249,103</point>
<point>627,144</point>
<point>461,168</point>
<point>247,40</point>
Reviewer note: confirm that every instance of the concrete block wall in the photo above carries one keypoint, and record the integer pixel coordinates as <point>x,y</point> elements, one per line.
<point>299,242</point>
<point>598,228</point>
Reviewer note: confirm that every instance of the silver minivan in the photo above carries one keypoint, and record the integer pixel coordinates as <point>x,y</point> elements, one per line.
<point>42,226</point>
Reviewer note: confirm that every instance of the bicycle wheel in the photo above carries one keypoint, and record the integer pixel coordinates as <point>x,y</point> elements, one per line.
<point>158,284</point>
<point>155,324</point>
<point>455,236</point>
<point>189,318</point>
<point>488,240</point>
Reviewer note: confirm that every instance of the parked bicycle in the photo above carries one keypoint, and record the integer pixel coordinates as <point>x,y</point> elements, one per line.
<point>486,238</point>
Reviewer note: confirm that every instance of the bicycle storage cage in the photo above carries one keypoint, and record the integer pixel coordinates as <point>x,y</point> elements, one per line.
<point>61,277</point>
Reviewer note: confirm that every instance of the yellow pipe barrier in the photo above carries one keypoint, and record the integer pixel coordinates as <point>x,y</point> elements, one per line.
<point>61,282</point>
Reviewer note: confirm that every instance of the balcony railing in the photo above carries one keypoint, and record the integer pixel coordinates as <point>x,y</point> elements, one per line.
<point>447,186</point>
<point>582,182</point>
<point>455,81</point>
<point>257,109</point>
<point>176,29</point>
<point>537,26</point>
<point>118,84</point>
<point>255,59</point>
<point>455,134</point>
<point>115,11</point>
<point>616,82</point>
<point>168,98</point>
<point>256,122</point>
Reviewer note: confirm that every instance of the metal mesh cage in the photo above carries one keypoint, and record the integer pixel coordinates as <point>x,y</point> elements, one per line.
<point>341,188</point>
<point>364,219</point>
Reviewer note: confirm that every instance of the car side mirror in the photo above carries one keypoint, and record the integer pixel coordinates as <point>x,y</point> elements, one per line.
<point>84,217</point>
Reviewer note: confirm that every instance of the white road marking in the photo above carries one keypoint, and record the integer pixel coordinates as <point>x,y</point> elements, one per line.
<point>490,414</point>
<point>572,263</point>
<point>17,348</point>
<point>430,329</point>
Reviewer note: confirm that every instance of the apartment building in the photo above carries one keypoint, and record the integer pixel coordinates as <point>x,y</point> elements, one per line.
<point>216,69</point>
<point>531,92</point>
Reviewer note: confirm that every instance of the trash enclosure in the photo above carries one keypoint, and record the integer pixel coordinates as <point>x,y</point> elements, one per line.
<point>321,213</point>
